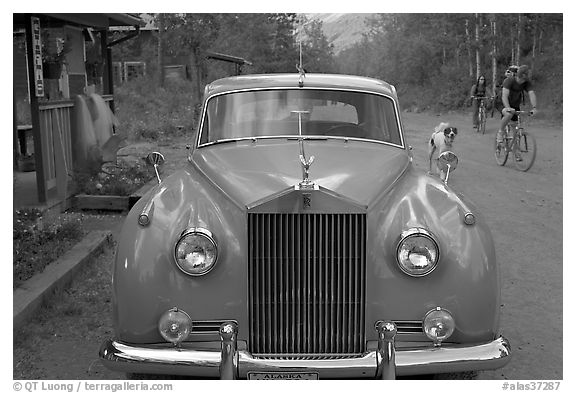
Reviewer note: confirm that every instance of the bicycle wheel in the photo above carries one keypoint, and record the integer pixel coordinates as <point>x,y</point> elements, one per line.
<point>478,121</point>
<point>482,122</point>
<point>500,151</point>
<point>525,152</point>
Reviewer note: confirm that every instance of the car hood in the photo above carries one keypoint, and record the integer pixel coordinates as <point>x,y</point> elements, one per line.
<point>249,171</point>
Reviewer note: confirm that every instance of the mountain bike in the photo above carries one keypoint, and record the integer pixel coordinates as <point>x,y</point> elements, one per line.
<point>481,113</point>
<point>518,141</point>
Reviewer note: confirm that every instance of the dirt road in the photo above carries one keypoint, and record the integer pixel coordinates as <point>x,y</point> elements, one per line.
<point>523,210</point>
<point>524,213</point>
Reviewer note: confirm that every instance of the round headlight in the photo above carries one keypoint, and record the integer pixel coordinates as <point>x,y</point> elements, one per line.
<point>175,326</point>
<point>196,252</point>
<point>438,325</point>
<point>417,252</point>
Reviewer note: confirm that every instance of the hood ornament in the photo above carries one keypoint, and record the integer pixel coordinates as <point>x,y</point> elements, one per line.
<point>306,183</point>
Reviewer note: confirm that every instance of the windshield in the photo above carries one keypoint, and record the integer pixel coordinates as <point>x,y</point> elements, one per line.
<point>324,113</point>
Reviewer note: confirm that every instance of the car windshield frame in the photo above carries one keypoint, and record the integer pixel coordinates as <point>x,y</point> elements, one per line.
<point>298,128</point>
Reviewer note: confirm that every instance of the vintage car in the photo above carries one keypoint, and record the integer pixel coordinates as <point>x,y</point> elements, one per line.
<point>299,242</point>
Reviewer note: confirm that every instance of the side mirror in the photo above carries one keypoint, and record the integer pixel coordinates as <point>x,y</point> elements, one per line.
<point>156,159</point>
<point>447,162</point>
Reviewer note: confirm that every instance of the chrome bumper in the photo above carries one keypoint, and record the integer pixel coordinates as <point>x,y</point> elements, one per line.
<point>386,362</point>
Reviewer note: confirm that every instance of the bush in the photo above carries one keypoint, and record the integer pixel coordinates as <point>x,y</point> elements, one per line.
<point>122,180</point>
<point>38,242</point>
<point>156,113</point>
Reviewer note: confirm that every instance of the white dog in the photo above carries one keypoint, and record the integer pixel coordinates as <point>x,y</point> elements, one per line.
<point>441,140</point>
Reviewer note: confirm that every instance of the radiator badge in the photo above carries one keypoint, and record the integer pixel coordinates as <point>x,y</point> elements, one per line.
<point>306,200</point>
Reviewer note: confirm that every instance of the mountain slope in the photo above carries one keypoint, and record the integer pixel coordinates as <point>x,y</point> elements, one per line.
<point>342,30</point>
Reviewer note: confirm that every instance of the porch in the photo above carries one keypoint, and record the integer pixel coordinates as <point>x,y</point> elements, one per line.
<point>53,169</point>
<point>46,181</point>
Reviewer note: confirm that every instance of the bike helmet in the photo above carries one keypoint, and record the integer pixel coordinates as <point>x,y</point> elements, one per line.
<point>523,72</point>
<point>512,69</point>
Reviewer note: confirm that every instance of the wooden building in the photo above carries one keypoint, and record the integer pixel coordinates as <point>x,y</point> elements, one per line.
<point>55,58</point>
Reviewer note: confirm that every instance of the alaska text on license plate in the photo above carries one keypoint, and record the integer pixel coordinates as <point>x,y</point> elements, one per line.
<point>282,376</point>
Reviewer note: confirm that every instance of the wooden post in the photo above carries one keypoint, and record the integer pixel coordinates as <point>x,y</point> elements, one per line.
<point>161,72</point>
<point>15,144</point>
<point>108,72</point>
<point>35,112</point>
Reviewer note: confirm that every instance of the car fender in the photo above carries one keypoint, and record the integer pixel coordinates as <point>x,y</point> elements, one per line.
<point>466,279</point>
<point>147,281</point>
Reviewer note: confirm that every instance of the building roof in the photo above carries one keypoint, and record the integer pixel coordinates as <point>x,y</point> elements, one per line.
<point>97,21</point>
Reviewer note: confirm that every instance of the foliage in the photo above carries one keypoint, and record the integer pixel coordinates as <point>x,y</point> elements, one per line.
<point>122,179</point>
<point>430,58</point>
<point>191,35</point>
<point>158,113</point>
<point>265,40</point>
<point>38,241</point>
<point>319,52</point>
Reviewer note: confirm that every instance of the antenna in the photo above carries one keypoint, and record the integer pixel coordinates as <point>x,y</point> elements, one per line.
<point>300,66</point>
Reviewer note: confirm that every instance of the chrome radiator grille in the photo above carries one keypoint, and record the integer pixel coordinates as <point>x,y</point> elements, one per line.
<point>306,283</point>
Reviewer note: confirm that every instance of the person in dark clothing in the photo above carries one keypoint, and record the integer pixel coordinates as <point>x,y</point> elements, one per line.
<point>498,105</point>
<point>512,93</point>
<point>478,90</point>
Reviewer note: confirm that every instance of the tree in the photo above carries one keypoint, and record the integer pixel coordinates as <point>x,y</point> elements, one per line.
<point>469,47</point>
<point>318,53</point>
<point>425,53</point>
<point>477,43</point>
<point>192,35</point>
<point>433,57</point>
<point>494,53</point>
<point>161,48</point>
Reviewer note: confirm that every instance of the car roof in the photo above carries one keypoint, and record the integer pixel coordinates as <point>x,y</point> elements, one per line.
<point>327,81</point>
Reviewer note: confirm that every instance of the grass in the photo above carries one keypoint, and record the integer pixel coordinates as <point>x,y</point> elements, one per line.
<point>156,114</point>
<point>38,242</point>
<point>78,314</point>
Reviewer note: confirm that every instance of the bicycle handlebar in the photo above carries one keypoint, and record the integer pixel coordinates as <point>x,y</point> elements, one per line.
<point>522,112</point>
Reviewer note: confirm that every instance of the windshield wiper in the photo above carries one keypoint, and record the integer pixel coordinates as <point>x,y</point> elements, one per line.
<point>316,138</point>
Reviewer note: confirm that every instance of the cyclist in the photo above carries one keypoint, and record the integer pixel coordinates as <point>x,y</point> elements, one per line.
<point>512,93</point>
<point>478,90</point>
<point>498,105</point>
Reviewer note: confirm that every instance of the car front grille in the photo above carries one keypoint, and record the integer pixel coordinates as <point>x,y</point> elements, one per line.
<point>307,284</point>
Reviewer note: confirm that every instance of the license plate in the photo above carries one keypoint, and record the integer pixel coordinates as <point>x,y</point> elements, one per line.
<point>282,376</point>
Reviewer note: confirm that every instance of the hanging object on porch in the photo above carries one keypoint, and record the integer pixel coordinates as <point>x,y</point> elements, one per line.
<point>94,140</point>
<point>51,69</point>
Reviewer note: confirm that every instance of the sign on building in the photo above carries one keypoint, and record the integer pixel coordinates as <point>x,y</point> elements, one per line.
<point>37,54</point>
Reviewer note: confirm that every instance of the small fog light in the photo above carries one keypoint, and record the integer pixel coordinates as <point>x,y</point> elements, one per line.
<point>175,326</point>
<point>469,219</point>
<point>438,325</point>
<point>143,219</point>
